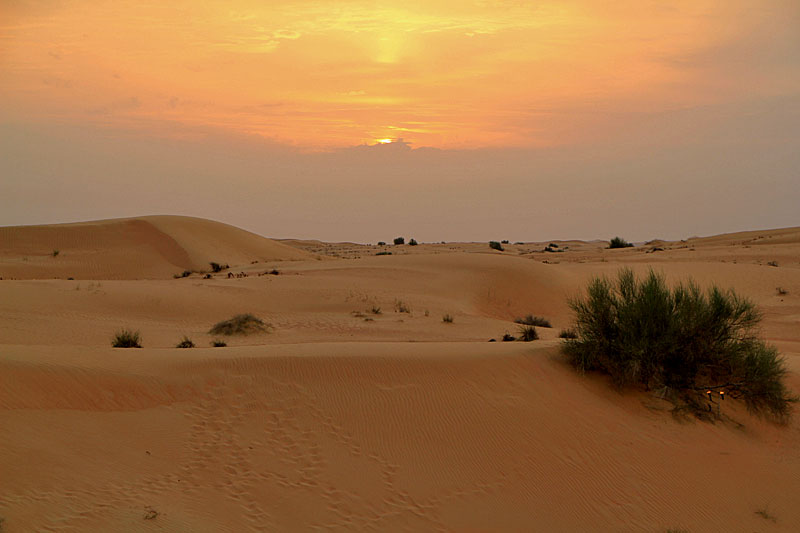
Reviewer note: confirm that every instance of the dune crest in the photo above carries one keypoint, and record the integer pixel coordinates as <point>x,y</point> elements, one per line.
<point>148,247</point>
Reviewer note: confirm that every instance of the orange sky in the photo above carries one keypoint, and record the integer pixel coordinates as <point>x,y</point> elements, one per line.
<point>520,120</point>
<point>324,74</point>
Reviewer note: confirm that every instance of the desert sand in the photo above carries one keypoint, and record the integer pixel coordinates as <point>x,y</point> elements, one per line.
<point>344,419</point>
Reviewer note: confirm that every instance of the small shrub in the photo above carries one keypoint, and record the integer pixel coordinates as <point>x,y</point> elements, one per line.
<point>781,291</point>
<point>772,263</point>
<point>126,339</point>
<point>207,276</point>
<point>399,240</point>
<point>619,242</point>
<point>274,272</point>
<point>568,333</point>
<point>494,245</point>
<point>532,320</point>
<point>243,324</point>
<point>683,341</point>
<point>375,310</point>
<point>401,307</point>
<point>216,267</point>
<point>55,253</point>
<point>447,319</point>
<point>507,337</point>
<point>413,242</point>
<point>216,343</point>
<point>384,253</point>
<point>185,343</point>
<point>528,333</point>
<point>381,243</point>
<point>504,241</point>
<point>184,274</point>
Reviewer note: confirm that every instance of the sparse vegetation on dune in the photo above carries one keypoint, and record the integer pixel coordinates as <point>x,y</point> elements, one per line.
<point>126,338</point>
<point>447,318</point>
<point>531,320</point>
<point>683,341</point>
<point>217,267</point>
<point>244,324</point>
<point>619,242</point>
<point>216,343</point>
<point>528,333</point>
<point>186,342</point>
<point>401,307</point>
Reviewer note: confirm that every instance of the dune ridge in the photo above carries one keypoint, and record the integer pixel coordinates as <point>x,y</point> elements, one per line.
<point>148,247</point>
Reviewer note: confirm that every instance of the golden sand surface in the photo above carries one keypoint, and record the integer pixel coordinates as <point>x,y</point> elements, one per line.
<point>343,418</point>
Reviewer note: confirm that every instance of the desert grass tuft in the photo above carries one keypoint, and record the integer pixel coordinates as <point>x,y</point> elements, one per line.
<point>186,342</point>
<point>532,320</point>
<point>528,333</point>
<point>125,338</point>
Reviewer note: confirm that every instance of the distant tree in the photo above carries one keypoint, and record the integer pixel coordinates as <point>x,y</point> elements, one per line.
<point>494,245</point>
<point>412,242</point>
<point>399,240</point>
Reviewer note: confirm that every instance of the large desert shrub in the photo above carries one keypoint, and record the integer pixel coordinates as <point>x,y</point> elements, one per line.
<point>244,324</point>
<point>682,340</point>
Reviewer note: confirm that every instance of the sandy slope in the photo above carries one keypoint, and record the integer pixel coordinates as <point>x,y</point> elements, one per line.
<point>131,248</point>
<point>336,420</point>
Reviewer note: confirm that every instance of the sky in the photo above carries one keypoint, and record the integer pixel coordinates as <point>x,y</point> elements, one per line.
<point>438,119</point>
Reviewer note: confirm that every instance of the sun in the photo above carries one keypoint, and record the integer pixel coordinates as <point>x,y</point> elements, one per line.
<point>385,141</point>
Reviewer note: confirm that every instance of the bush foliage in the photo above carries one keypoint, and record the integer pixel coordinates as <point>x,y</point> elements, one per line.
<point>494,245</point>
<point>682,340</point>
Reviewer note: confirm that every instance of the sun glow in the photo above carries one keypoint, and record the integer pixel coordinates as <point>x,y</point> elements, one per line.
<point>447,74</point>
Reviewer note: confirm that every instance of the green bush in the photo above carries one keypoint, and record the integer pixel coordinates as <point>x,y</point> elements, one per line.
<point>413,242</point>
<point>126,339</point>
<point>494,245</point>
<point>619,242</point>
<point>244,324</point>
<point>399,240</point>
<point>683,340</point>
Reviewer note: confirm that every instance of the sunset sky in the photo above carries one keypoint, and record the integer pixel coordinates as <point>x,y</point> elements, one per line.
<point>440,119</point>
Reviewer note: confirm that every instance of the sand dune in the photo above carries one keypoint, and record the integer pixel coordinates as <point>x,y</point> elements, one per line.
<point>342,419</point>
<point>149,247</point>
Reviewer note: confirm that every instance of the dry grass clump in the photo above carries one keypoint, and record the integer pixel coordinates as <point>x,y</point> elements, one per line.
<point>125,338</point>
<point>244,324</point>
<point>186,342</point>
<point>532,320</point>
<point>528,334</point>
<point>447,318</point>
